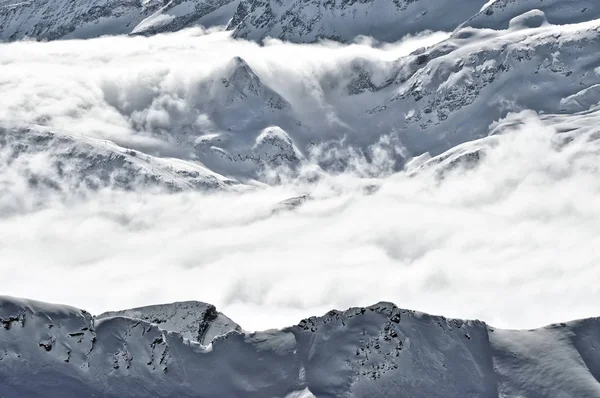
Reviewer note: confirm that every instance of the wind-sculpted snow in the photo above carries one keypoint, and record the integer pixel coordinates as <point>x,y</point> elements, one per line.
<point>380,350</point>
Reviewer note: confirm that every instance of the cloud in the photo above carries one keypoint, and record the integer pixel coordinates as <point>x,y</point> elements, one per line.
<point>512,241</point>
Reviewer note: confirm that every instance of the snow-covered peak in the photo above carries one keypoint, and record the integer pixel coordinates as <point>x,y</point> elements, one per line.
<point>241,79</point>
<point>274,144</point>
<point>237,99</point>
<point>194,320</point>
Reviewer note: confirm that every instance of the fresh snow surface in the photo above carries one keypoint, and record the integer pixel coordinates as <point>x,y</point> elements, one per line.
<point>382,350</point>
<point>486,5</point>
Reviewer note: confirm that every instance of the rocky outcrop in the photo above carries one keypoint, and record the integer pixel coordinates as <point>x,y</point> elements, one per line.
<point>304,21</point>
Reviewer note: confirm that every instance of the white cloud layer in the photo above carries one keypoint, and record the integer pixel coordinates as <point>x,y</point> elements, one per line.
<point>513,242</point>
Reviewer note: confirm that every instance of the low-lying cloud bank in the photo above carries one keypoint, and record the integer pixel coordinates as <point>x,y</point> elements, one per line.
<point>512,241</point>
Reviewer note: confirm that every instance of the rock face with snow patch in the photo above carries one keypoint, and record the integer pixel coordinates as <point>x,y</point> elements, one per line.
<point>179,14</point>
<point>378,351</point>
<point>274,145</point>
<point>343,20</point>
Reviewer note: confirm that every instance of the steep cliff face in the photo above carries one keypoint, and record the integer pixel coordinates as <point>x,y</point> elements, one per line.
<point>343,20</point>
<point>63,19</point>
<point>362,352</point>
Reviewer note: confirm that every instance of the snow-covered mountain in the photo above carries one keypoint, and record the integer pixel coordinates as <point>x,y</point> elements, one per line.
<point>382,350</point>
<point>511,56</point>
<point>300,21</point>
<point>423,102</point>
<point>531,65</point>
<point>429,99</point>
<point>342,20</point>
<point>63,19</point>
<point>52,162</point>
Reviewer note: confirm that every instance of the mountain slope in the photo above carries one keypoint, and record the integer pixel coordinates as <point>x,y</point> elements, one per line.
<point>558,12</point>
<point>380,351</point>
<point>51,162</point>
<point>532,65</point>
<point>423,102</point>
<point>239,118</point>
<point>61,19</point>
<point>428,100</point>
<point>308,21</point>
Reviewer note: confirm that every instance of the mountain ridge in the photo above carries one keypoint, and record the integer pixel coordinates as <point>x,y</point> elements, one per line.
<point>380,349</point>
<point>310,21</point>
<point>60,19</point>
